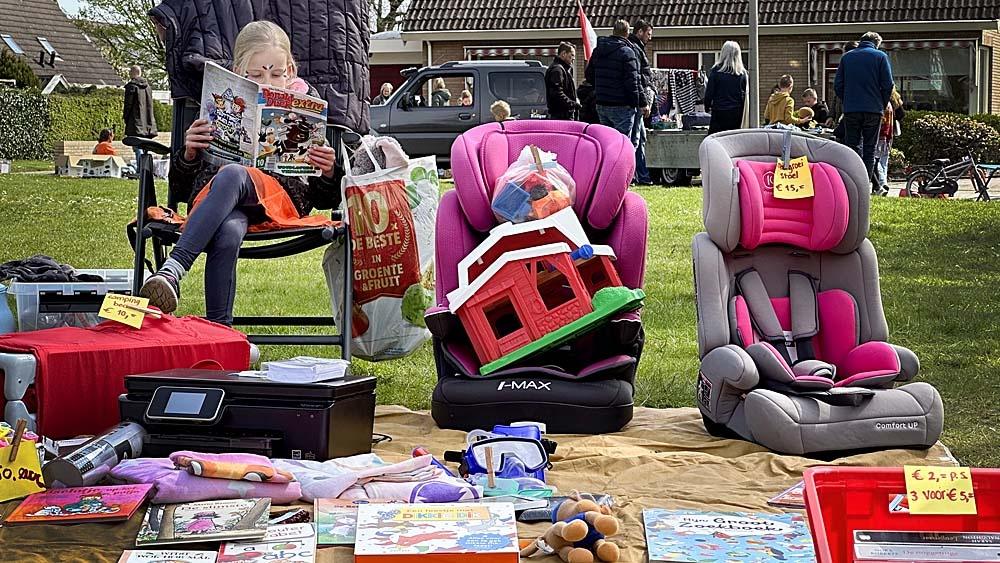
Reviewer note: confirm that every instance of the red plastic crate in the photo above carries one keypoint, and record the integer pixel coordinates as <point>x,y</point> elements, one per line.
<point>840,500</point>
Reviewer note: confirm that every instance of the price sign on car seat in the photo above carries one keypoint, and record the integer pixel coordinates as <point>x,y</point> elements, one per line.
<point>939,490</point>
<point>793,181</point>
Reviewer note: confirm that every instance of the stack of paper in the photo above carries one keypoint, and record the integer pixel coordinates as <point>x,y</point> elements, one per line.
<point>305,369</point>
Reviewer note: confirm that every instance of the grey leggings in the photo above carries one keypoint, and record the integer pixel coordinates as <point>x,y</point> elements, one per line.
<point>217,227</point>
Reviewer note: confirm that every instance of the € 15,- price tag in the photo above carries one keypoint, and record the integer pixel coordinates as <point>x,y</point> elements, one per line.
<point>939,490</point>
<point>794,181</point>
<point>122,308</point>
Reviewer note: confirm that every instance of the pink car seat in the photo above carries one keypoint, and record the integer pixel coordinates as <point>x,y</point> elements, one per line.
<point>791,332</point>
<point>597,370</point>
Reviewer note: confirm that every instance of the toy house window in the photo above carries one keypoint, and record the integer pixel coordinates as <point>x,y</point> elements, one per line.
<point>49,49</point>
<point>11,44</point>
<point>503,318</point>
<point>594,275</point>
<point>553,286</point>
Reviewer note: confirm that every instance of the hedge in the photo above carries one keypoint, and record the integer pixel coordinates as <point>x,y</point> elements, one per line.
<point>928,135</point>
<point>25,125</point>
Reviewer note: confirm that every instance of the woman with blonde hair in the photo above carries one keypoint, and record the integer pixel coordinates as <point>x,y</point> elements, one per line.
<point>440,96</point>
<point>725,94</point>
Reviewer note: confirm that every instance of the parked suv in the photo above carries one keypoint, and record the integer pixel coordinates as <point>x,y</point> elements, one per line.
<point>426,113</point>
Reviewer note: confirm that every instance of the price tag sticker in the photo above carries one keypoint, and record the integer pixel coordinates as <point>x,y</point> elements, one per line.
<point>118,307</point>
<point>939,490</point>
<point>794,181</point>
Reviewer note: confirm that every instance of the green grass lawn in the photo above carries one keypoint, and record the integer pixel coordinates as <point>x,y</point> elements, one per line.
<point>32,166</point>
<point>939,264</point>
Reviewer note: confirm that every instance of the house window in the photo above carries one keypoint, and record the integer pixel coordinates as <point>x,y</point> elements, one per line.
<point>938,79</point>
<point>690,60</point>
<point>11,44</point>
<point>49,49</point>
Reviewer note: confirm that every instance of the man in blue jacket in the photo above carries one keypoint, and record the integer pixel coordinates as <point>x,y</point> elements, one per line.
<point>864,83</point>
<point>614,71</point>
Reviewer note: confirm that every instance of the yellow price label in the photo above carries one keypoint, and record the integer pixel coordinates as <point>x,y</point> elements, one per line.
<point>794,181</point>
<point>21,476</point>
<point>939,490</point>
<point>120,308</point>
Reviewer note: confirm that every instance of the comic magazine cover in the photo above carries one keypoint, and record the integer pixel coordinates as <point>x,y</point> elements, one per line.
<point>440,532</point>
<point>694,536</point>
<point>336,519</point>
<point>80,504</point>
<point>289,543</point>
<point>260,126</point>
<point>136,556</point>
<point>204,521</point>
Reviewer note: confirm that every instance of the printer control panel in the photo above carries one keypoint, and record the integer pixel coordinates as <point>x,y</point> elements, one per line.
<point>185,404</point>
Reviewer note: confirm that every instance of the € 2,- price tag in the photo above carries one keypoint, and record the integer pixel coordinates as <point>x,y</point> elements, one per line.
<point>794,181</point>
<point>939,490</point>
<point>117,307</point>
<point>21,476</point>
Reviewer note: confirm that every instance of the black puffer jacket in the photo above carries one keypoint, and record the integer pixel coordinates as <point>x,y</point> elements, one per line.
<point>645,73</point>
<point>560,90</point>
<point>614,72</point>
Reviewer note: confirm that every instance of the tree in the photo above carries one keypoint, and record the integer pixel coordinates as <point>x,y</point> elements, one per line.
<point>14,67</point>
<point>387,14</point>
<point>126,36</point>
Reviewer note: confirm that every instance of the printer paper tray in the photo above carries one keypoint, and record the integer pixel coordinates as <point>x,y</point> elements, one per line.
<point>162,445</point>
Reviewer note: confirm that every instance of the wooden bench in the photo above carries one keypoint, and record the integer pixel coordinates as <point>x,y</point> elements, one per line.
<point>80,148</point>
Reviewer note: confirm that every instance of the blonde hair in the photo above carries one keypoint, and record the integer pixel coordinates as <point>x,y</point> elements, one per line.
<point>257,36</point>
<point>895,99</point>
<point>731,59</point>
<point>500,110</point>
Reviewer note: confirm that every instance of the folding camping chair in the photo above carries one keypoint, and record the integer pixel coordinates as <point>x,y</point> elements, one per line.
<point>279,243</point>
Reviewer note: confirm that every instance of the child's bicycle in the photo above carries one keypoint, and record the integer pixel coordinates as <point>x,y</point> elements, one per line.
<point>940,178</point>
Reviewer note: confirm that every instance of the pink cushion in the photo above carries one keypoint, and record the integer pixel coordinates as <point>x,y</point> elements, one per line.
<point>870,359</point>
<point>817,223</point>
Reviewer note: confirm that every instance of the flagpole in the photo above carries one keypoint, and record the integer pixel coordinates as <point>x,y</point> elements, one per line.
<point>754,66</point>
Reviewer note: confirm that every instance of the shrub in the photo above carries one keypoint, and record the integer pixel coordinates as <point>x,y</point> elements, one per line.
<point>947,135</point>
<point>25,125</point>
<point>80,116</point>
<point>13,67</point>
<point>897,163</point>
<point>991,119</point>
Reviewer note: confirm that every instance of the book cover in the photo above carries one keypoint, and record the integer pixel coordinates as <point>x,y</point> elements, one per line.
<point>792,497</point>
<point>337,520</point>
<point>167,556</point>
<point>441,532</point>
<point>229,103</point>
<point>204,521</point>
<point>693,536</point>
<point>80,504</point>
<point>288,543</point>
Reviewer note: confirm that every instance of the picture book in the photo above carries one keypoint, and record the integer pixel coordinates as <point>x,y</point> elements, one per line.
<point>289,543</point>
<point>457,532</point>
<point>80,504</point>
<point>693,536</point>
<point>336,519</point>
<point>167,556</point>
<point>260,126</point>
<point>792,497</point>
<point>204,521</point>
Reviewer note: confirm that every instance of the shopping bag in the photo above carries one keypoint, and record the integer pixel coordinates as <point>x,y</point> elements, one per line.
<point>391,215</point>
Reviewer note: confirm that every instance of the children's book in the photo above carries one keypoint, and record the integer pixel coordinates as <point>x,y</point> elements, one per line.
<point>204,521</point>
<point>260,126</point>
<point>167,556</point>
<point>693,536</point>
<point>289,543</point>
<point>792,497</point>
<point>454,532</point>
<point>337,520</point>
<point>80,504</point>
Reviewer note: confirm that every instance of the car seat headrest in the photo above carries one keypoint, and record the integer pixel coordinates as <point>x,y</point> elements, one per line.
<point>741,210</point>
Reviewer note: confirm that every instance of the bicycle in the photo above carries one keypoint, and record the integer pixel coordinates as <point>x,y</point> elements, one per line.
<point>940,178</point>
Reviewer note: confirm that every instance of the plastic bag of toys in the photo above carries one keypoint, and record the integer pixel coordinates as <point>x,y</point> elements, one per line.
<point>533,187</point>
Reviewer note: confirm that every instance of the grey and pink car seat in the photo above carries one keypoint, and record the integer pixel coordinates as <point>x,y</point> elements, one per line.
<point>585,386</point>
<point>791,333</point>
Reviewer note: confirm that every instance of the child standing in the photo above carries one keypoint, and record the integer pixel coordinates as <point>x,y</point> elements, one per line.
<point>236,197</point>
<point>892,119</point>
<point>500,110</point>
<point>781,106</point>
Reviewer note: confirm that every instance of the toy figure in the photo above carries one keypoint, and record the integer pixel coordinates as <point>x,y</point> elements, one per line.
<point>90,504</point>
<point>202,523</point>
<point>577,534</point>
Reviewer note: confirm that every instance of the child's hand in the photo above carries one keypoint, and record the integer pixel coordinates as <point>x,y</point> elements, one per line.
<point>197,138</point>
<point>322,157</point>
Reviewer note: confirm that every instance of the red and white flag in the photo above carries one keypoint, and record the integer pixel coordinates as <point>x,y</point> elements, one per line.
<point>589,35</point>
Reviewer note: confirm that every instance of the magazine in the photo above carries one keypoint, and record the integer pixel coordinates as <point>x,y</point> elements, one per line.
<point>167,556</point>
<point>337,519</point>
<point>792,497</point>
<point>289,543</point>
<point>691,536</point>
<point>305,369</point>
<point>260,126</point>
<point>204,521</point>
<point>80,504</point>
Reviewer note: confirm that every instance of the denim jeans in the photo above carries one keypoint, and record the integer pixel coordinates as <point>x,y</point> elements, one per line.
<point>620,118</point>
<point>882,162</point>
<point>861,129</point>
<point>638,138</point>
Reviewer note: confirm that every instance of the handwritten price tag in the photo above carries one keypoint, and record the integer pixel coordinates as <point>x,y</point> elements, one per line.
<point>795,181</point>
<point>116,308</point>
<point>23,476</point>
<point>939,490</point>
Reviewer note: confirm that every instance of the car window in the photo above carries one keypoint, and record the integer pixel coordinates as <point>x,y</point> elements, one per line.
<point>518,88</point>
<point>441,91</point>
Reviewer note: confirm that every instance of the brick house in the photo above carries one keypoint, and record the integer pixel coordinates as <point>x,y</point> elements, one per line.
<point>55,49</point>
<point>945,53</point>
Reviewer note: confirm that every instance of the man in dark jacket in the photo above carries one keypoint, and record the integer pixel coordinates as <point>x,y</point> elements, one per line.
<point>140,121</point>
<point>560,90</point>
<point>614,72</point>
<point>864,83</point>
<point>642,33</point>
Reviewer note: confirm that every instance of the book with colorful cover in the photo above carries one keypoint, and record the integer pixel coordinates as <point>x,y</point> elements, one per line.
<point>337,519</point>
<point>167,556</point>
<point>214,520</point>
<point>288,543</point>
<point>453,532</point>
<point>694,536</point>
<point>792,497</point>
<point>80,504</point>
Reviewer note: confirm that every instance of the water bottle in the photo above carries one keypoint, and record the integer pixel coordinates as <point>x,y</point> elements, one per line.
<point>7,323</point>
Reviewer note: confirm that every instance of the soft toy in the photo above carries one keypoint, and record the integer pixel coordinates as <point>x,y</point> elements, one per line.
<point>577,533</point>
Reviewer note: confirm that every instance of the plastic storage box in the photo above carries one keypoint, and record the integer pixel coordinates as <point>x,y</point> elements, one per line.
<point>840,500</point>
<point>57,304</point>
